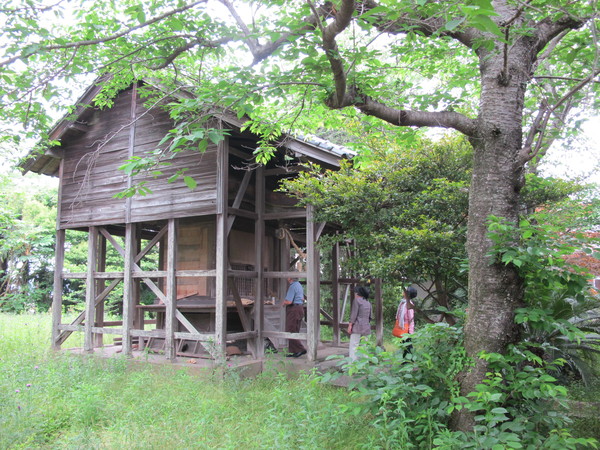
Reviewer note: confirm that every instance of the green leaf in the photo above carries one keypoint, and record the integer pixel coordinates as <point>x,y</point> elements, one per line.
<point>190,182</point>
<point>215,136</point>
<point>450,26</point>
<point>484,23</point>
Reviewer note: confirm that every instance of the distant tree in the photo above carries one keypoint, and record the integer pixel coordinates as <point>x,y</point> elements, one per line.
<point>27,228</point>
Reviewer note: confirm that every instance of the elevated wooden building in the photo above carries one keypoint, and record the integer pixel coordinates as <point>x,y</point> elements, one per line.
<point>225,248</point>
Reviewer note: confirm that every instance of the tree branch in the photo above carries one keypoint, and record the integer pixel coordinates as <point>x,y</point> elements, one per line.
<point>262,51</point>
<point>427,26</point>
<point>409,118</point>
<point>112,37</point>
<point>188,46</point>
<point>342,20</point>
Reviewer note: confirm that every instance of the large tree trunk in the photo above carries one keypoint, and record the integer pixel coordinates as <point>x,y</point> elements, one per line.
<point>495,289</point>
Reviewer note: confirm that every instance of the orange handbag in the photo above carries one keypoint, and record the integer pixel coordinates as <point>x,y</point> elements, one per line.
<point>397,331</point>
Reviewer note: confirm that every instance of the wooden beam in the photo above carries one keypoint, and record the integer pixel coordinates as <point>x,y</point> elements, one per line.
<point>221,262</point>
<point>131,145</point>
<point>154,288</point>
<point>320,229</point>
<point>151,244</point>
<point>128,312</point>
<point>100,285</point>
<point>285,275</point>
<point>238,199</point>
<point>312,286</point>
<point>59,262</point>
<point>90,289</point>
<point>241,212</point>
<point>285,171</point>
<point>79,319</point>
<point>286,335</point>
<point>242,335</point>
<point>170,291</point>
<point>71,328</point>
<point>240,154</point>
<point>335,293</point>
<point>103,330</point>
<point>196,273</point>
<point>242,273</point>
<point>202,337</point>
<point>259,239</point>
<point>293,214</point>
<point>148,333</point>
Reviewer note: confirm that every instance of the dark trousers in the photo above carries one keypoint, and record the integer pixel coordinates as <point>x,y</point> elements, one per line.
<point>293,319</point>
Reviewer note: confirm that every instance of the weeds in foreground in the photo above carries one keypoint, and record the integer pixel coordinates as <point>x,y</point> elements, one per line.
<point>57,400</point>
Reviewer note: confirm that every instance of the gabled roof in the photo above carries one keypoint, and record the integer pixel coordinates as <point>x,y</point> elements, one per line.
<point>46,161</point>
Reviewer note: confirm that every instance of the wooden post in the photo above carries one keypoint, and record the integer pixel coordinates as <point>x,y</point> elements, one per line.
<point>100,285</point>
<point>335,293</point>
<point>312,287</point>
<point>127,288</point>
<point>171,292</point>
<point>59,262</point>
<point>284,266</point>
<point>221,262</point>
<point>138,315</point>
<point>90,289</point>
<point>259,237</point>
<point>379,313</point>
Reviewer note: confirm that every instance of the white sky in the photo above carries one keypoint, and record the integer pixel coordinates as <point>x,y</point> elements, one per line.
<point>580,159</point>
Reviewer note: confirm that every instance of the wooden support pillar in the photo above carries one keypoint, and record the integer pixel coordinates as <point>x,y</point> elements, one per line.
<point>59,262</point>
<point>221,261</point>
<point>138,314</point>
<point>171,292</point>
<point>100,286</point>
<point>379,313</point>
<point>128,287</point>
<point>312,287</point>
<point>90,289</point>
<point>259,238</point>
<point>335,293</point>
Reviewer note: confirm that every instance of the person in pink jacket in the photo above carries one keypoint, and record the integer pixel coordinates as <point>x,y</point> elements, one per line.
<point>405,317</point>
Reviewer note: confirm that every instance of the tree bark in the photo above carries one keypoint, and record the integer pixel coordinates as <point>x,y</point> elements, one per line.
<point>495,289</point>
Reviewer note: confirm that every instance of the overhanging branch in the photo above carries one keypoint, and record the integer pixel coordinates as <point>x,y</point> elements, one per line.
<point>409,118</point>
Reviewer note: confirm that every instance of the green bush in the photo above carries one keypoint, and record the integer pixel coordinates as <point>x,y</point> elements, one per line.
<point>410,397</point>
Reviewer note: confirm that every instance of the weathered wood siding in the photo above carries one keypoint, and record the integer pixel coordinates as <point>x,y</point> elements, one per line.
<point>175,199</point>
<point>91,175</point>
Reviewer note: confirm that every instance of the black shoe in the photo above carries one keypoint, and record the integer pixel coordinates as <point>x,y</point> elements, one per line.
<point>298,354</point>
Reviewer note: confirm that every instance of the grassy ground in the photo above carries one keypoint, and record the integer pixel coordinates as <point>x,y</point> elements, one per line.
<point>56,401</point>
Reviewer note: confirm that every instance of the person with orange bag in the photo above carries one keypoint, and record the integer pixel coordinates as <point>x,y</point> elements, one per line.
<point>405,318</point>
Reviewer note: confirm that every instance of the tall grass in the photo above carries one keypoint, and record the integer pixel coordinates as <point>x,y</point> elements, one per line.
<point>58,400</point>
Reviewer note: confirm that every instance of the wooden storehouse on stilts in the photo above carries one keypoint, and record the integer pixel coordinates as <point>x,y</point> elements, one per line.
<point>225,248</point>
